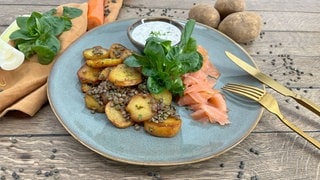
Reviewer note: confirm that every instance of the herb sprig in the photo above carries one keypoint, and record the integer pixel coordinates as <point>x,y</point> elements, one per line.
<point>164,64</point>
<point>38,34</point>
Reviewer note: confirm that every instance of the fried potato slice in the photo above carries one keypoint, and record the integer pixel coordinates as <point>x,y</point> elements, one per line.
<point>123,75</point>
<point>93,104</point>
<point>88,75</point>
<point>96,52</point>
<point>85,87</point>
<point>140,108</point>
<point>164,96</point>
<point>103,62</point>
<point>116,117</point>
<point>104,73</point>
<point>119,51</point>
<point>167,128</point>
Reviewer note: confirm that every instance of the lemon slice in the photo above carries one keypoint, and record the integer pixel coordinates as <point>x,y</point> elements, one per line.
<point>10,57</point>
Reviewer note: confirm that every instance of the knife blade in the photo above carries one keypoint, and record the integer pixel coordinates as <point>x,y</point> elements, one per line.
<point>274,84</point>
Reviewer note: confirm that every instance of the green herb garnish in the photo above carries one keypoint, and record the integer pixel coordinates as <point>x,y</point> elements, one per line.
<point>38,34</point>
<point>164,64</point>
<point>157,33</point>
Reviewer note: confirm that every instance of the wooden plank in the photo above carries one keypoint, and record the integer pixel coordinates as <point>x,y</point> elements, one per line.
<point>261,5</point>
<point>251,5</point>
<point>45,121</point>
<point>71,160</point>
<point>9,13</point>
<point>295,21</point>
<point>301,71</point>
<point>288,43</point>
<point>39,3</point>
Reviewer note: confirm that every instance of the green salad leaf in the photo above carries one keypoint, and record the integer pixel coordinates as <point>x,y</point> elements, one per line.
<point>38,34</point>
<point>164,64</point>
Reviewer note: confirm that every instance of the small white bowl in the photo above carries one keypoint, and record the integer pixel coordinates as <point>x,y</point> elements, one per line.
<point>162,27</point>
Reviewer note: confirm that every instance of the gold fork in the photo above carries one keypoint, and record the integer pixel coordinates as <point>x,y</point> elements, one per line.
<point>271,104</point>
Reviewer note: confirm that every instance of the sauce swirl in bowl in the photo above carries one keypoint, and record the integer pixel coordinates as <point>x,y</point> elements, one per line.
<point>161,27</point>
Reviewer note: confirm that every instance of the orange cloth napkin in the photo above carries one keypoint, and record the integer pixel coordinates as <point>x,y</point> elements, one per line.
<point>25,89</point>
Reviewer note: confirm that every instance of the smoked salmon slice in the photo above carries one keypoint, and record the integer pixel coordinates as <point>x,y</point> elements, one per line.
<point>207,103</point>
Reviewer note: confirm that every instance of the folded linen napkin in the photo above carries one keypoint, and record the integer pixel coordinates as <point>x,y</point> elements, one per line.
<point>25,88</point>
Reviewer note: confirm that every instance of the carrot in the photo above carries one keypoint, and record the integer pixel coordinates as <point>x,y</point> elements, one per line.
<point>111,10</point>
<point>95,13</point>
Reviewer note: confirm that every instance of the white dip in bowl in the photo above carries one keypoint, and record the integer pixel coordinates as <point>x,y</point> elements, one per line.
<point>161,27</point>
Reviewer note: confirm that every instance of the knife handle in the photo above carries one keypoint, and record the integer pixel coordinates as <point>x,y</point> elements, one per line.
<point>308,104</point>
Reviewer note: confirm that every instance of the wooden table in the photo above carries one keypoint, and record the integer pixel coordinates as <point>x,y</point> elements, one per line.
<point>39,147</point>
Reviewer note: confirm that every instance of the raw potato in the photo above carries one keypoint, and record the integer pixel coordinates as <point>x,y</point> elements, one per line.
<point>205,14</point>
<point>93,104</point>
<point>226,7</point>
<point>116,118</point>
<point>123,75</point>
<point>140,108</point>
<point>242,27</point>
<point>168,128</point>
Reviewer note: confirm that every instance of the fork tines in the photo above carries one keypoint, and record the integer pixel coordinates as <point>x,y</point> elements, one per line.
<point>245,90</point>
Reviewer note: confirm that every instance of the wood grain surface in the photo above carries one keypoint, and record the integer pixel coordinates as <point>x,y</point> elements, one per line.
<point>40,148</point>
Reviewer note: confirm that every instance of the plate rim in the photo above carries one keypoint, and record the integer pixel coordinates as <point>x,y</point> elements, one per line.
<point>174,163</point>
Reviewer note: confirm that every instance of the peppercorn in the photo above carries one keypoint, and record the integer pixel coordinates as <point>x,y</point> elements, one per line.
<point>222,165</point>
<point>38,172</point>
<point>15,175</point>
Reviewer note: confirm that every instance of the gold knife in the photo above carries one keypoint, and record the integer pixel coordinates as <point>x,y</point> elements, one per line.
<point>274,84</point>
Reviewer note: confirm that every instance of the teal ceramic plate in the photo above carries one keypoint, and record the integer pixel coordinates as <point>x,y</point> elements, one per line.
<point>196,141</point>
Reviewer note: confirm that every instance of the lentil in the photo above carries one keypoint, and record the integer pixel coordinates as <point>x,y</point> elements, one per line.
<point>222,165</point>
<point>15,175</point>
<point>21,169</point>
<point>137,127</point>
<point>254,151</point>
<point>240,174</point>
<point>47,174</point>
<point>156,175</point>
<point>38,172</point>
<point>241,166</point>
<point>52,156</point>
<point>13,140</point>
<point>120,96</point>
<point>56,171</point>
